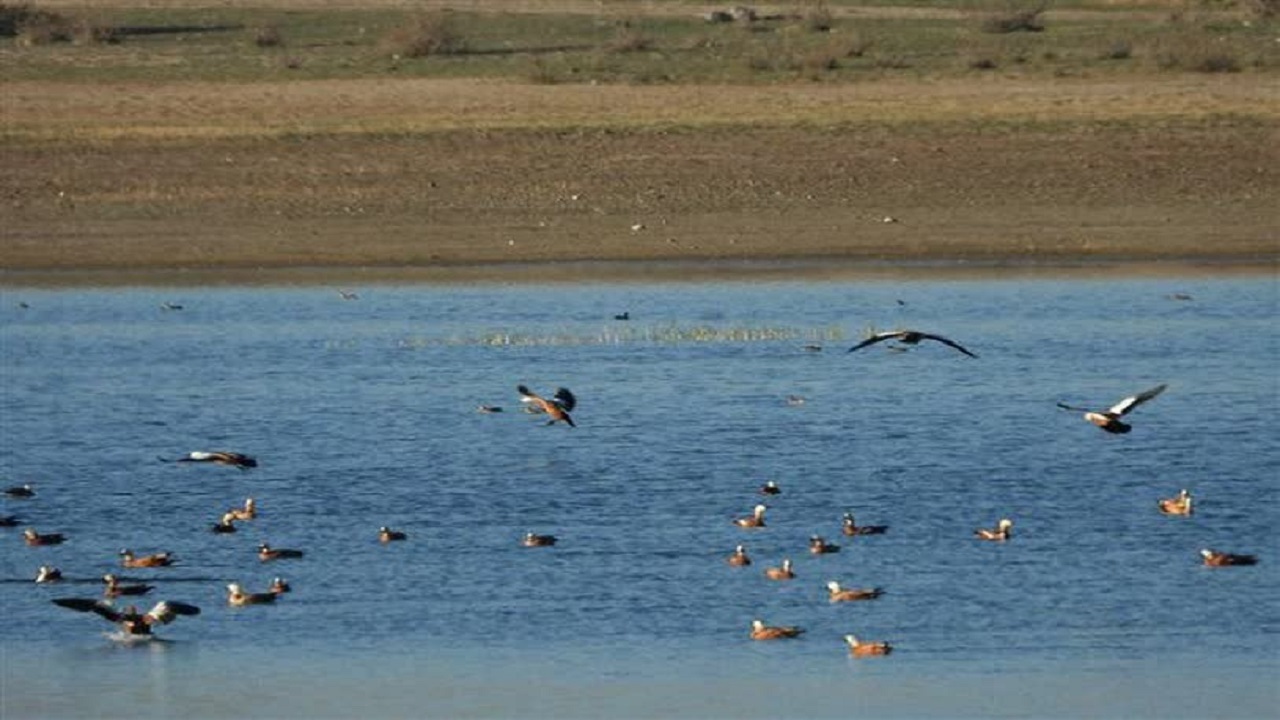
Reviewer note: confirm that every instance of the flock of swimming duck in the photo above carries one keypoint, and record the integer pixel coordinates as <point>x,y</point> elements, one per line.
<point>134,624</point>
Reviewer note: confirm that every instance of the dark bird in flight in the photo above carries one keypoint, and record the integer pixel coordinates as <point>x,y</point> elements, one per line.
<point>1109,419</point>
<point>557,407</point>
<point>909,337</point>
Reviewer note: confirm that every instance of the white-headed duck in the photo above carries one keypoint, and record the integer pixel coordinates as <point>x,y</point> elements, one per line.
<point>819,546</point>
<point>835,593</point>
<point>226,525</point>
<point>557,407</point>
<point>1002,531</point>
<point>783,572</point>
<point>760,631</point>
<point>279,585</point>
<point>48,574</point>
<point>266,552</point>
<point>488,409</point>
<point>858,648</point>
<point>237,597</point>
<point>909,337</point>
<point>220,457</point>
<point>739,557</point>
<point>795,400</point>
<point>755,520</point>
<point>33,538</point>
<point>248,512</point>
<point>1213,558</point>
<point>1109,419</point>
<point>20,491</point>
<point>535,540</point>
<point>131,621</point>
<point>1178,505</point>
<point>386,535</point>
<point>770,488</point>
<point>850,527</point>
<point>129,560</point>
<point>114,588</point>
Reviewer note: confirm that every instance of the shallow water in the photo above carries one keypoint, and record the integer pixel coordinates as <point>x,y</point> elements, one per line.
<point>362,414</point>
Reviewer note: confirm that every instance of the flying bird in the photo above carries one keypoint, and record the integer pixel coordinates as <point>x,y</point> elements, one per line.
<point>1109,419</point>
<point>218,457</point>
<point>557,407</point>
<point>131,622</point>
<point>909,337</point>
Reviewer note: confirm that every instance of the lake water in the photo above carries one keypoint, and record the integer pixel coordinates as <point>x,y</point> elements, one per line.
<point>363,413</point>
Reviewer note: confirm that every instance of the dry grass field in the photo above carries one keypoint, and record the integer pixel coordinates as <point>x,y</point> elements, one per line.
<point>289,139</point>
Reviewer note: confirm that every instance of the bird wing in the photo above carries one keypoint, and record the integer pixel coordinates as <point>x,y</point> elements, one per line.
<point>1128,404</point>
<point>166,611</point>
<point>949,343</point>
<point>87,605</point>
<point>878,337</point>
<point>564,399</point>
<point>1073,408</point>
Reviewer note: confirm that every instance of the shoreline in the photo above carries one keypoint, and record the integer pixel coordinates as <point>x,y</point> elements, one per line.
<point>586,272</point>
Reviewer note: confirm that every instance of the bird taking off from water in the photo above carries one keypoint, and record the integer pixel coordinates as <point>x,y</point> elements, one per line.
<point>557,407</point>
<point>130,621</point>
<point>1109,419</point>
<point>909,337</point>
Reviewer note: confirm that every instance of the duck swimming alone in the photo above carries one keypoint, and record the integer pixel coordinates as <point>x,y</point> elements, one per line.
<point>909,337</point>
<point>237,597</point>
<point>279,585</point>
<point>1109,419</point>
<point>130,621</point>
<point>770,488</point>
<point>755,520</point>
<point>48,574</point>
<point>248,512</point>
<point>129,560</point>
<point>783,572</point>
<point>1178,505</point>
<point>267,553</point>
<point>819,546</point>
<point>20,491</point>
<point>33,538</point>
<point>534,540</point>
<point>1213,558</point>
<point>760,631</point>
<point>835,593</point>
<point>10,521</point>
<point>113,587</point>
<point>865,649</point>
<point>739,557</point>
<point>557,407</point>
<point>1002,531</point>
<point>386,535</point>
<point>850,527</point>
<point>227,524</point>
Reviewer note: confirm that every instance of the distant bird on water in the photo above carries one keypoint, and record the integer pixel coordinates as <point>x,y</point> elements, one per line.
<point>130,560</point>
<point>20,491</point>
<point>1180,504</point>
<point>1002,531</point>
<point>33,538</point>
<point>218,457</point>
<point>858,648</point>
<point>1109,419</point>
<point>760,631</point>
<point>909,337</point>
<point>849,526</point>
<point>557,407</point>
<point>1213,558</point>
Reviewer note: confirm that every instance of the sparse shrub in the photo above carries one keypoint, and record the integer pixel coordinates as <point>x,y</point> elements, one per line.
<point>429,34</point>
<point>983,63</point>
<point>268,36</point>
<point>1022,20</point>
<point>629,39</point>
<point>541,73</point>
<point>892,62</point>
<point>819,18</point>
<point>855,47</point>
<point>1119,50</point>
<point>1263,9</point>
<point>14,17</point>
<point>820,61</point>
<point>1218,62</point>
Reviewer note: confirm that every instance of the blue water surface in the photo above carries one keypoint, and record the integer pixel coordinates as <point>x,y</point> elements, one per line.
<point>362,413</point>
